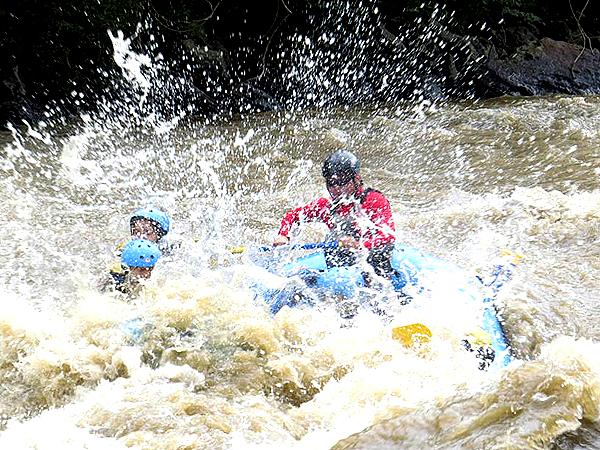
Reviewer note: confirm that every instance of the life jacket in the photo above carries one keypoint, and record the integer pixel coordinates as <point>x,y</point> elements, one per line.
<point>344,224</point>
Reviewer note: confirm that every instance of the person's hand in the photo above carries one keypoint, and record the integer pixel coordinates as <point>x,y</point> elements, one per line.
<point>349,242</point>
<point>281,240</point>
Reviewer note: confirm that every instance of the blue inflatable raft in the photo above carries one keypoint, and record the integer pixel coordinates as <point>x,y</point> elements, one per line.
<point>414,271</point>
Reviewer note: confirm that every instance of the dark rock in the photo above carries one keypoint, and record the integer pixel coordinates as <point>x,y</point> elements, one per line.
<point>547,67</point>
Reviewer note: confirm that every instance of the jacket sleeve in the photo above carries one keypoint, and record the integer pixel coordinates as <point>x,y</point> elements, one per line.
<point>382,229</point>
<point>315,210</point>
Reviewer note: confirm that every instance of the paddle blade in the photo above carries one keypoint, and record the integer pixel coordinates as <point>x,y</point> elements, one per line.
<point>409,335</point>
<point>237,250</point>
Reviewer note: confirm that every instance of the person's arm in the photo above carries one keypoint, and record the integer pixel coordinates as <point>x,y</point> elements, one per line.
<point>382,230</point>
<point>117,272</point>
<point>315,210</point>
<point>114,279</point>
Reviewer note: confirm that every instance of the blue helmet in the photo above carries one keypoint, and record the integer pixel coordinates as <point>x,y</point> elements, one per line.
<point>140,253</point>
<point>160,218</point>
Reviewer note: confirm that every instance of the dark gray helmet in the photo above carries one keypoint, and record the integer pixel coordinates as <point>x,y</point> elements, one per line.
<point>340,167</point>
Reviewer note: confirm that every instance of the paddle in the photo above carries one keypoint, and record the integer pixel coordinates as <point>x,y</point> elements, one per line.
<point>409,335</point>
<point>308,246</point>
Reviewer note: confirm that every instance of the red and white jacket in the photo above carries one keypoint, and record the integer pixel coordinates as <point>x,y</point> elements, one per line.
<point>369,215</point>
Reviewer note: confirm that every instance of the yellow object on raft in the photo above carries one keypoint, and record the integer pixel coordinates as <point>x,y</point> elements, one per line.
<point>479,338</point>
<point>409,335</point>
<point>515,258</point>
